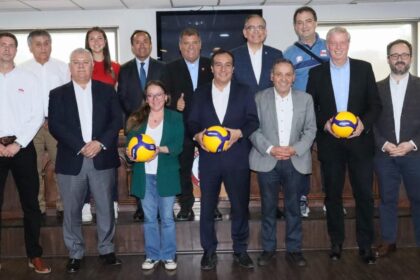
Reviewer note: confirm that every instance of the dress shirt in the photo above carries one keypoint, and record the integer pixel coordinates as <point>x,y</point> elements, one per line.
<point>193,69</point>
<point>256,62</point>
<point>21,112</point>
<point>340,77</point>
<point>220,100</point>
<point>146,65</point>
<point>50,75</point>
<point>398,89</point>
<point>156,134</point>
<point>85,108</point>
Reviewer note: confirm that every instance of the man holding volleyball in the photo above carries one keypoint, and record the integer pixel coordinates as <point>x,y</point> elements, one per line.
<point>231,105</point>
<point>346,84</point>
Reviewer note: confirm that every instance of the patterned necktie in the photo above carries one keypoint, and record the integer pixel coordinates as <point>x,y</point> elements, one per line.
<point>142,76</point>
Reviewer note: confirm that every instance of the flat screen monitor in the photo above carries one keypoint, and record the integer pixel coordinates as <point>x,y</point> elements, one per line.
<point>217,28</point>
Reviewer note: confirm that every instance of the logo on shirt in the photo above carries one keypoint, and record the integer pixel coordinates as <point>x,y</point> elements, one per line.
<point>299,59</point>
<point>323,53</point>
<point>21,90</point>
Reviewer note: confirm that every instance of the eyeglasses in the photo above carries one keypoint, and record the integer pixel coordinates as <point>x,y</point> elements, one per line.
<point>396,56</point>
<point>255,27</point>
<point>158,96</point>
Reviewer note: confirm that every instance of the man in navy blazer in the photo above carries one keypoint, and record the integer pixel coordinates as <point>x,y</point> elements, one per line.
<point>345,84</point>
<point>130,88</point>
<point>85,118</point>
<point>253,60</point>
<point>231,105</point>
<point>397,136</point>
<point>130,85</point>
<point>182,77</point>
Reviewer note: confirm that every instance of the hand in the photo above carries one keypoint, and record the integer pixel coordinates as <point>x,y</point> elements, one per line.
<point>128,154</point>
<point>199,138</point>
<point>11,150</point>
<point>327,128</point>
<point>2,150</point>
<point>180,104</point>
<point>45,125</point>
<point>235,134</point>
<point>91,149</point>
<point>402,149</point>
<point>359,129</point>
<point>282,152</point>
<point>157,151</point>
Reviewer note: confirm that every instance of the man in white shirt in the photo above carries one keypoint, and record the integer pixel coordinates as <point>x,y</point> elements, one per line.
<point>50,74</point>
<point>281,156</point>
<point>397,136</point>
<point>85,117</point>
<point>20,118</point>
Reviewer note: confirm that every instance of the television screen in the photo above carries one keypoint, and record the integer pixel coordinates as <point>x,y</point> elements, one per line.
<point>218,29</point>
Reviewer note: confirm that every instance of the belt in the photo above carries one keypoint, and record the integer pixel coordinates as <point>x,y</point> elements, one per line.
<point>7,140</point>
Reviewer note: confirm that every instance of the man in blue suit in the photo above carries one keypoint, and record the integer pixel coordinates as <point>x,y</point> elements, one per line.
<point>85,118</point>
<point>253,60</point>
<point>224,102</point>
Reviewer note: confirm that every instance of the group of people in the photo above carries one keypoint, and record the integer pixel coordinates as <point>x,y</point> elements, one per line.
<point>274,106</point>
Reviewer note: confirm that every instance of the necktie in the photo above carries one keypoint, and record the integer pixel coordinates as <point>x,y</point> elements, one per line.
<point>142,76</point>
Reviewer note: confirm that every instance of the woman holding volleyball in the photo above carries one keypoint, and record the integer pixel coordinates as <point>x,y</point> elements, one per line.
<point>156,181</point>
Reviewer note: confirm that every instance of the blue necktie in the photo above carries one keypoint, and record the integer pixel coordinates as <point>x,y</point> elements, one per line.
<point>142,76</point>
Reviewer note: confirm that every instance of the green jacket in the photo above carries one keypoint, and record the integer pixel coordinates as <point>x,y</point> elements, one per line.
<point>168,180</point>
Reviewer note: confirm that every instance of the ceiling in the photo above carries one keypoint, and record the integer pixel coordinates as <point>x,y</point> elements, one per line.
<point>60,5</point>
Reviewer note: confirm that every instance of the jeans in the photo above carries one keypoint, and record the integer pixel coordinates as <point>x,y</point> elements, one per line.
<point>286,175</point>
<point>160,239</point>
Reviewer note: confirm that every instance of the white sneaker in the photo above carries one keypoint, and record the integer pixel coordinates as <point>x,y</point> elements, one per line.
<point>116,209</point>
<point>170,265</point>
<point>304,209</point>
<point>86,213</point>
<point>149,264</point>
<point>325,210</point>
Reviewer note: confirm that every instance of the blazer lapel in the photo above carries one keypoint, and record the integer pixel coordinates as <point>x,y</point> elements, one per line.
<point>265,64</point>
<point>329,87</point>
<point>186,74</point>
<point>272,114</point>
<point>73,105</point>
<point>135,73</point>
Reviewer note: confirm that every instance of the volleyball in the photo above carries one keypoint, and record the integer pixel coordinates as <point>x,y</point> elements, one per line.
<point>216,139</point>
<point>141,147</point>
<point>343,124</point>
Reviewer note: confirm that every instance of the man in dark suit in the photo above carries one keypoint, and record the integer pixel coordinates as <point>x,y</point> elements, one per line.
<point>231,105</point>
<point>85,118</point>
<point>253,60</point>
<point>345,84</point>
<point>397,134</point>
<point>181,78</point>
<point>133,78</point>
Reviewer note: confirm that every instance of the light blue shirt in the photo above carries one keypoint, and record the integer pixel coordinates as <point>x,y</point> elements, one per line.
<point>193,69</point>
<point>146,64</point>
<point>340,78</point>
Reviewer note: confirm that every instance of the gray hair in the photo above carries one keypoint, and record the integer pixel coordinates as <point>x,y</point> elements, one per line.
<point>36,33</point>
<point>338,29</point>
<point>82,51</point>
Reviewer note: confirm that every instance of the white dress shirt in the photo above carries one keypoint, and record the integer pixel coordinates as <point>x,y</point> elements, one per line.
<point>50,75</point>
<point>220,100</point>
<point>256,61</point>
<point>156,134</point>
<point>21,112</point>
<point>398,89</point>
<point>85,108</point>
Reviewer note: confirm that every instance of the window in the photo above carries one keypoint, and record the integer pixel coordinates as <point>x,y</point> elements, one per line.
<point>369,40</point>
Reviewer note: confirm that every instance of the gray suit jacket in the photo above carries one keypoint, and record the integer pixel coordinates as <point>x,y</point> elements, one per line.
<point>301,137</point>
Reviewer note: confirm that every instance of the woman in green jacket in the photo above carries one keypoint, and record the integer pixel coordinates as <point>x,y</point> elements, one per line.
<point>156,182</point>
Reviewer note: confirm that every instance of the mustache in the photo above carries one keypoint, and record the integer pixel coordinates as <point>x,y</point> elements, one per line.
<point>400,63</point>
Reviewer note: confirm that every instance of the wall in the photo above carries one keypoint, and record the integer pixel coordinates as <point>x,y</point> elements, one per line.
<point>279,20</point>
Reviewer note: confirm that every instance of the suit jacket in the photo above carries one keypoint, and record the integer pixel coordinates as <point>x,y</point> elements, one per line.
<point>241,113</point>
<point>168,180</point>
<point>178,80</point>
<point>363,101</point>
<point>302,134</point>
<point>410,117</point>
<point>64,124</point>
<point>129,89</point>
<point>244,73</point>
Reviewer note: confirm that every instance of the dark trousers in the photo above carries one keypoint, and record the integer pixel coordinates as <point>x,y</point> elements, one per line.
<point>391,171</point>
<point>237,187</point>
<point>24,170</point>
<point>283,174</point>
<point>186,158</point>
<point>361,179</point>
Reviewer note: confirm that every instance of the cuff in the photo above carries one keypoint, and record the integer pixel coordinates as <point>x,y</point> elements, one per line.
<point>414,145</point>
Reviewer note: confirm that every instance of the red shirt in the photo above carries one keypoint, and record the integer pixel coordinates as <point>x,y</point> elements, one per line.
<point>99,73</point>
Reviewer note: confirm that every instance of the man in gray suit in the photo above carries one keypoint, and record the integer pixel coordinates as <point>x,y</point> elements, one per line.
<point>397,136</point>
<point>281,156</point>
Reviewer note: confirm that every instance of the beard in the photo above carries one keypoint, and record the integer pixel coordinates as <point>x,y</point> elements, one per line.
<point>400,71</point>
